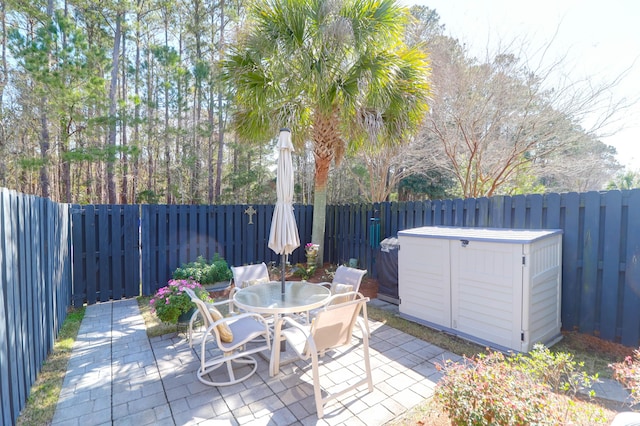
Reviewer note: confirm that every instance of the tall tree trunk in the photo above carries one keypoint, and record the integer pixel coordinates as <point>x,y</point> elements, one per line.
<point>167,148</point>
<point>218,188</point>
<point>65,167</point>
<point>210,140</point>
<point>4,75</point>
<point>113,92</point>
<point>320,204</point>
<point>152,148</point>
<point>124,155</point>
<point>44,126</point>
<point>326,142</point>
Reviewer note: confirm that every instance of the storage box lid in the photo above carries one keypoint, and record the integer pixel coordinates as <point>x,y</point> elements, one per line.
<point>498,235</point>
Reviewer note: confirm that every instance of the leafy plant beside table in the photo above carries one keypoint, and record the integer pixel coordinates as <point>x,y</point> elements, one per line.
<point>171,302</point>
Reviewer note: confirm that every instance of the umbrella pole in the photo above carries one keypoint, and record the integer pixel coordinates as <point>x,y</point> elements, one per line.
<point>282,275</point>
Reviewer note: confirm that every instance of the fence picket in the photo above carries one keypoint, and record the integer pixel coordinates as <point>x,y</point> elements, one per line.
<point>571,290</point>
<point>631,300</point>
<point>590,251</point>
<point>535,211</point>
<point>610,290</point>
<point>552,212</point>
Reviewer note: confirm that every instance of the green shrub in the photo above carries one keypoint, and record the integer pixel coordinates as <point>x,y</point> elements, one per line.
<point>509,390</point>
<point>304,270</point>
<point>558,370</point>
<point>204,272</point>
<point>171,301</point>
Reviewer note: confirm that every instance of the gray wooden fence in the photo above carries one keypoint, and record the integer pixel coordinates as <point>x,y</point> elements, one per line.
<point>35,291</point>
<point>125,251</point>
<point>601,244</point>
<point>173,235</point>
<point>106,247</point>
<point>601,248</point>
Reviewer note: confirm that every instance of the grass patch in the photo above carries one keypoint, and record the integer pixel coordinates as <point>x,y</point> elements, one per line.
<point>42,401</point>
<point>596,354</point>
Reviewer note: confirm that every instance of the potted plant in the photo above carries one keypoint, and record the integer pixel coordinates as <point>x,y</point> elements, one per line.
<point>311,251</point>
<point>170,302</point>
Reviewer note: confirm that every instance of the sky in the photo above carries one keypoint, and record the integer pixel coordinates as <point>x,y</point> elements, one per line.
<point>601,41</point>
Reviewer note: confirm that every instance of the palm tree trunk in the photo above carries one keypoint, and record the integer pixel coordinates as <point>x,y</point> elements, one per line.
<point>323,163</point>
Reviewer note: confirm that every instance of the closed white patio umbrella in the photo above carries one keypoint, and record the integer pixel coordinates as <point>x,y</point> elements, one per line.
<point>284,238</point>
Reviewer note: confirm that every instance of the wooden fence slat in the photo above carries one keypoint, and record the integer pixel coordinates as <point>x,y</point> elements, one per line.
<point>483,212</point>
<point>130,250</point>
<point>103,219</point>
<point>220,234</point>
<point>182,246</point>
<point>13,303</point>
<point>22,325</point>
<point>552,211</point>
<point>32,343</point>
<point>202,247</point>
<point>535,211</point>
<point>570,239</point>
<point>6,374</point>
<point>162,248</point>
<point>631,300</point>
<point>590,245</point>
<point>118,218</point>
<point>519,212</point>
<point>609,295</point>
<point>173,234</point>
<point>91,254</point>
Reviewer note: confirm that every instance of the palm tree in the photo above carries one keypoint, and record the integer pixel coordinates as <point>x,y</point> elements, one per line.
<point>336,72</point>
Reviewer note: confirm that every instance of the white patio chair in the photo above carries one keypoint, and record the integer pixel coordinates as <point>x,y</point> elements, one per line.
<point>231,335</point>
<point>246,275</point>
<point>331,328</point>
<point>346,280</point>
<point>349,276</point>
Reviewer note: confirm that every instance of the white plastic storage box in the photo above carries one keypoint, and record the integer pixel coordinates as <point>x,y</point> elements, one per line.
<point>499,287</point>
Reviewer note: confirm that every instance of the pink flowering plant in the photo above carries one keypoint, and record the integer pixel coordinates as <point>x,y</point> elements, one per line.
<point>311,249</point>
<point>171,301</point>
<point>627,372</point>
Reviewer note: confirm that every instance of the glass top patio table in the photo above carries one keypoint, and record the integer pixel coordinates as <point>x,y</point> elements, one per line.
<point>267,298</point>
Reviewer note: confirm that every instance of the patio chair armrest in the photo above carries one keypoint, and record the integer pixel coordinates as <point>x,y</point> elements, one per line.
<point>213,326</point>
<point>304,328</point>
<point>255,316</point>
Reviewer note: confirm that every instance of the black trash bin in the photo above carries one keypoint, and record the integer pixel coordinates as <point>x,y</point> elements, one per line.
<point>388,270</point>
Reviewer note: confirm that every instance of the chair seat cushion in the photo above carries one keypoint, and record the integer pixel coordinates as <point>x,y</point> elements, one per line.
<point>226,334</point>
<point>256,281</point>
<point>246,328</point>
<point>339,288</point>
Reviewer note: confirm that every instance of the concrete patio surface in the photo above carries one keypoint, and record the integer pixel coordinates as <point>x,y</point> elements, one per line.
<point>118,376</point>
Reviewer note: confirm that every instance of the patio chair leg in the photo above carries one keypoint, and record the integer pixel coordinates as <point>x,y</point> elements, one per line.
<point>205,370</point>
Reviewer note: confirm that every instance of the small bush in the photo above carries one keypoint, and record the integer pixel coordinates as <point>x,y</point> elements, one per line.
<point>204,272</point>
<point>627,372</point>
<point>558,370</point>
<point>304,271</point>
<point>171,301</point>
<point>509,390</point>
